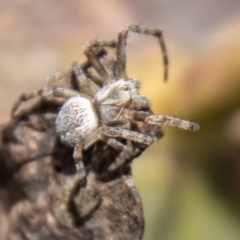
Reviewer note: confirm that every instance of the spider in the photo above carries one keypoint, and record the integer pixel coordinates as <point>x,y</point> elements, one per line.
<point>104,108</point>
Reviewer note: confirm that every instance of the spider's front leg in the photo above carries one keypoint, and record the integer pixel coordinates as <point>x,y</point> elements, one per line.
<point>171,121</point>
<point>122,44</point>
<point>160,120</point>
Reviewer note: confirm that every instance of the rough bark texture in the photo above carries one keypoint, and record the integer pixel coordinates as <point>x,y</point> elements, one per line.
<point>40,197</point>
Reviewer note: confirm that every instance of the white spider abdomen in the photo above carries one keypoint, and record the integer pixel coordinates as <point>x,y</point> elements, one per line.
<point>77,122</point>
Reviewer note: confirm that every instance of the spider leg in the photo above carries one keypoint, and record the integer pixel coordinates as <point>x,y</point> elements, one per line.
<point>119,122</point>
<point>126,151</point>
<point>92,57</point>
<point>94,60</point>
<point>112,142</point>
<point>77,155</point>
<point>23,98</point>
<point>171,121</point>
<point>118,132</point>
<point>102,55</point>
<point>124,158</point>
<point>63,93</point>
<point>102,43</point>
<point>161,120</point>
<point>100,52</point>
<point>55,92</point>
<point>85,85</point>
<point>122,43</point>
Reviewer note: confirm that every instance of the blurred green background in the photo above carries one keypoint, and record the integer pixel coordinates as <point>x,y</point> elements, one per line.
<point>189,182</point>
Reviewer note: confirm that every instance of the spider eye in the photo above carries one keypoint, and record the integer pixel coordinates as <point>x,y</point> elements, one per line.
<point>126,88</point>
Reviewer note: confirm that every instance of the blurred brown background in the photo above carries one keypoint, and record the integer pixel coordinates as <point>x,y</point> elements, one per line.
<point>189,182</point>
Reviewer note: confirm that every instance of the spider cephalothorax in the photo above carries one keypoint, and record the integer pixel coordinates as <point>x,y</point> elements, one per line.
<point>106,107</point>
